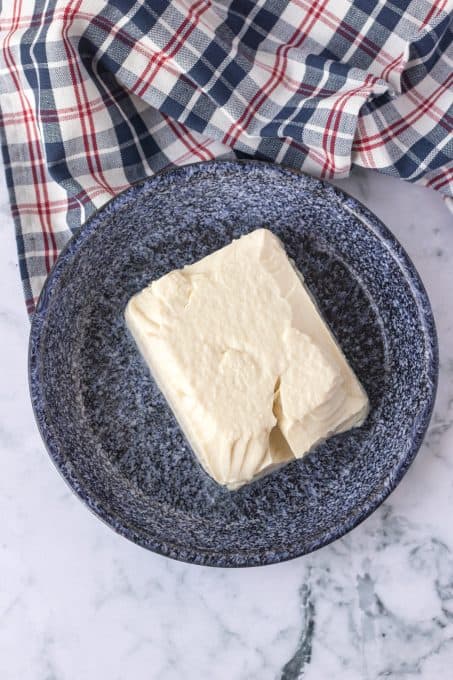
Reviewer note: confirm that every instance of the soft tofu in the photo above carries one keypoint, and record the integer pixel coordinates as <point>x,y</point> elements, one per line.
<point>241,352</point>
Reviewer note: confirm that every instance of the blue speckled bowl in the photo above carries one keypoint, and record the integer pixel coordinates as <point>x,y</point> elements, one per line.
<point>110,432</point>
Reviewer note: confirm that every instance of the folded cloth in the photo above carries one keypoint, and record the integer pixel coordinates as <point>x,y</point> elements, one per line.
<point>96,95</point>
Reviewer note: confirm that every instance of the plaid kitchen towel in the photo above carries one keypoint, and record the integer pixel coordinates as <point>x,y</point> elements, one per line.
<point>97,94</point>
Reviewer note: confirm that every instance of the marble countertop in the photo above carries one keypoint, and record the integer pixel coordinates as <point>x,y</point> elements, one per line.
<point>78,602</point>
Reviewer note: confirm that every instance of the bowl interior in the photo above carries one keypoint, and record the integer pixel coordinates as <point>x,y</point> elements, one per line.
<point>110,431</point>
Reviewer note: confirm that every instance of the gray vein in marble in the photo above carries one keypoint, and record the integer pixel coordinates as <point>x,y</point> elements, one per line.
<point>294,669</point>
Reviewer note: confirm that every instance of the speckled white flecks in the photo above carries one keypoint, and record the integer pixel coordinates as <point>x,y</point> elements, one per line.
<point>78,602</point>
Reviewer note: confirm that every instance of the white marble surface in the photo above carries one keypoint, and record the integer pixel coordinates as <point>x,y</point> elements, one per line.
<point>78,602</point>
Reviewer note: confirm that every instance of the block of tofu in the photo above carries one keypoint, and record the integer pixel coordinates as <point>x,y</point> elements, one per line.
<point>240,350</point>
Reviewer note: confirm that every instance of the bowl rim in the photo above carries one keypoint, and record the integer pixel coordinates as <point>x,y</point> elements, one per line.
<point>212,557</point>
